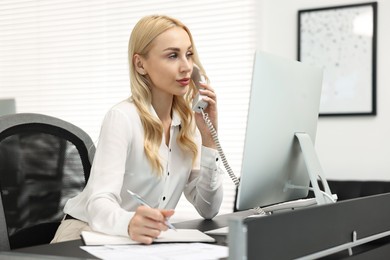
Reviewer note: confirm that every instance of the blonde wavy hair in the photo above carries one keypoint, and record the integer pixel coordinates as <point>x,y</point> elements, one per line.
<point>142,36</point>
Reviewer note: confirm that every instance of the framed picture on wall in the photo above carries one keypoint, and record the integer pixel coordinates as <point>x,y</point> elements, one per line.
<point>342,40</point>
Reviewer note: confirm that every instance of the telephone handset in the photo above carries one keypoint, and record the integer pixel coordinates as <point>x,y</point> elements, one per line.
<point>198,104</point>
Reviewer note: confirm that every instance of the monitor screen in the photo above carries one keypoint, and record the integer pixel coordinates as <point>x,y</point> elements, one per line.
<point>284,100</point>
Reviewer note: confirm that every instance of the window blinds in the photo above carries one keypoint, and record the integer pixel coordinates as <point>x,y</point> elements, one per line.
<point>69,59</point>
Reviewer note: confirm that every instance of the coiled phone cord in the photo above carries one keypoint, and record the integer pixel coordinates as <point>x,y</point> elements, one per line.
<point>229,170</point>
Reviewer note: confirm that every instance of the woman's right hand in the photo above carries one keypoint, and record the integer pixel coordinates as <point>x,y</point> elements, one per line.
<point>147,224</point>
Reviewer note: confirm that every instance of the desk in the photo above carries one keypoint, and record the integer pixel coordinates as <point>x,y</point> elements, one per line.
<point>358,226</point>
<point>72,248</point>
<point>293,234</point>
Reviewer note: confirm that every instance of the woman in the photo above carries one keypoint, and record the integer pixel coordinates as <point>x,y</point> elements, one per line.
<point>151,143</point>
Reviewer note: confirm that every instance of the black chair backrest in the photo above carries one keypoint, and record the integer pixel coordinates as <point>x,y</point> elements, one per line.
<point>4,241</point>
<point>44,161</point>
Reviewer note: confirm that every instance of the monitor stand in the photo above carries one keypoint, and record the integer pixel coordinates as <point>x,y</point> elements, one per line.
<point>315,173</point>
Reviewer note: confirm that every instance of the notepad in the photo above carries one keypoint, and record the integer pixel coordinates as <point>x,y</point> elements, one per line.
<point>92,238</point>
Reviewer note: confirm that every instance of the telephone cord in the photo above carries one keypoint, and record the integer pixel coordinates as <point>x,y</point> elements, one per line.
<point>229,170</point>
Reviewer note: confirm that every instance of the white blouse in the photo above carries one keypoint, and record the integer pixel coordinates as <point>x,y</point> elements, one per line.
<point>120,163</point>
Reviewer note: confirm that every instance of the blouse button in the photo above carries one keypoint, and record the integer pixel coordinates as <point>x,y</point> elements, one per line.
<point>168,173</point>
<point>164,198</point>
<point>216,159</point>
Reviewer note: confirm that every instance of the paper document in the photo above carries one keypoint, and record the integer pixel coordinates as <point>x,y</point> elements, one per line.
<point>171,251</point>
<point>218,231</point>
<point>91,238</point>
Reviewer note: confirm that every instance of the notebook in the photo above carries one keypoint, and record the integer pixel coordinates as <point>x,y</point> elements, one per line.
<point>92,238</point>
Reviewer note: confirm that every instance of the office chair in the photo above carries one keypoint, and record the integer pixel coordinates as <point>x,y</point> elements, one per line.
<point>44,161</point>
<point>4,241</point>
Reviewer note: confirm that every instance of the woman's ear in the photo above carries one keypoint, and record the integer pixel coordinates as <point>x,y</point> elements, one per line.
<point>138,64</point>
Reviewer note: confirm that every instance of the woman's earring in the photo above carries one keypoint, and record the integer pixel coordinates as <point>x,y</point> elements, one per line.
<point>142,71</point>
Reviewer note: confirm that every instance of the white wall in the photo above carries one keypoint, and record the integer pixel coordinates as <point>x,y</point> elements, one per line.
<point>348,147</point>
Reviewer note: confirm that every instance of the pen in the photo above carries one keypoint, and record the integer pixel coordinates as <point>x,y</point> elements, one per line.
<point>143,202</point>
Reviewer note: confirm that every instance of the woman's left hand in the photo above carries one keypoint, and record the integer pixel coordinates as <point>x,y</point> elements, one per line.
<point>211,98</point>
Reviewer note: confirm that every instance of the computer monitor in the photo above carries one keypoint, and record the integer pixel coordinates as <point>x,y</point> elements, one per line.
<point>284,101</point>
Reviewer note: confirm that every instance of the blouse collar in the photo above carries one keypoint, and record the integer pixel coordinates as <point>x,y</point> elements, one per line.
<point>176,121</point>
